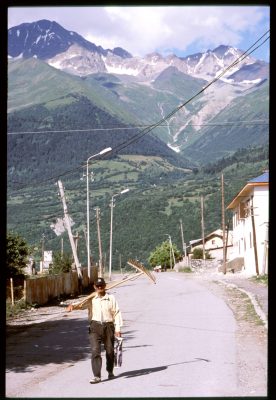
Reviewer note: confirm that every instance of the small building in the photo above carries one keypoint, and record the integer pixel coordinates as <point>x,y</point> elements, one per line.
<point>30,267</point>
<point>48,259</point>
<point>250,224</point>
<point>213,243</point>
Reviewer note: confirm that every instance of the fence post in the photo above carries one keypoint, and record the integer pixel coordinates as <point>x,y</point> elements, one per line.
<point>25,291</point>
<point>12,294</point>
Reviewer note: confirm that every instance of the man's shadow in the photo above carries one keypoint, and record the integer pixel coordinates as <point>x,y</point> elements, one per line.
<point>146,371</point>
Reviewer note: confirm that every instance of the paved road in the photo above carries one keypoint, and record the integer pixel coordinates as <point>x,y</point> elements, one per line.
<point>179,341</point>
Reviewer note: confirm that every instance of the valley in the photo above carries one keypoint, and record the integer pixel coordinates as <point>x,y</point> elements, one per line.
<point>173,127</point>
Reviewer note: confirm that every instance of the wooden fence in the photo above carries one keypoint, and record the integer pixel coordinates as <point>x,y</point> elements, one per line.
<point>42,289</point>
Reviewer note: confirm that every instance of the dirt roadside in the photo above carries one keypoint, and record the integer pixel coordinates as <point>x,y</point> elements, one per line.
<point>252,332</point>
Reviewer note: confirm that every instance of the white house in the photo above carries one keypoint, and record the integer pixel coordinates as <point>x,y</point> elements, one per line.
<point>213,243</point>
<point>48,259</point>
<point>250,224</point>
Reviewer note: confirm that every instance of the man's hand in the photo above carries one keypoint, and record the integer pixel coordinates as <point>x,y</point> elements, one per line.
<point>70,307</point>
<point>118,334</point>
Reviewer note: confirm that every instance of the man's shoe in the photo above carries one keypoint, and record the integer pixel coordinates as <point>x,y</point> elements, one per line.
<point>95,380</point>
<point>111,375</point>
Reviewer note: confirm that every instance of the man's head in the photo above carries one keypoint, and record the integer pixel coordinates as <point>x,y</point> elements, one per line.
<point>100,285</point>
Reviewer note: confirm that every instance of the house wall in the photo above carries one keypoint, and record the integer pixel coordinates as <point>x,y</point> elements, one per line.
<point>243,230</point>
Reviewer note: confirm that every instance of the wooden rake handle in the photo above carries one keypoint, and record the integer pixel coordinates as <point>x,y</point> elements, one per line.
<point>79,305</point>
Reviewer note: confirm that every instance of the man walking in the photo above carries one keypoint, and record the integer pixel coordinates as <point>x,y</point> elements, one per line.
<point>105,323</point>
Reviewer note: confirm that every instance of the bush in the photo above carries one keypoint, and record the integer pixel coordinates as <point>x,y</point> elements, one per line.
<point>14,310</point>
<point>61,263</point>
<point>185,269</point>
<point>198,254</point>
<point>261,279</point>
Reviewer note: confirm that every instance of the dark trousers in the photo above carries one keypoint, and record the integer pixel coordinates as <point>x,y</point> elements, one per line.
<point>101,333</point>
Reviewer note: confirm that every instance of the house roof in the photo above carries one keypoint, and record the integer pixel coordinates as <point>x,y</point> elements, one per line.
<point>216,233</point>
<point>261,180</point>
<point>264,178</point>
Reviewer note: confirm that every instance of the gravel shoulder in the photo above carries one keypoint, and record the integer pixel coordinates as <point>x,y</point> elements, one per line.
<point>251,337</point>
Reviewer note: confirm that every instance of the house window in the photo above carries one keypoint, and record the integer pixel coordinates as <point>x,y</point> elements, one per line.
<point>242,210</point>
<point>213,241</point>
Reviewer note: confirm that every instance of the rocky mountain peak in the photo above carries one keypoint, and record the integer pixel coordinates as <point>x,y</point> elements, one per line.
<point>70,52</point>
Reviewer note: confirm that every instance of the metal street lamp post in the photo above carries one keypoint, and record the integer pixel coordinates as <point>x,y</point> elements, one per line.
<point>104,151</point>
<point>111,228</point>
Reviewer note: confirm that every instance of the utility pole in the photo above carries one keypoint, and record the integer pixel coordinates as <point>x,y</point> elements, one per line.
<point>202,228</point>
<point>112,205</point>
<point>183,242</point>
<point>76,240</point>
<point>265,250</point>
<point>68,227</point>
<point>170,256</point>
<point>100,243</point>
<point>254,238</point>
<point>85,237</point>
<point>227,234</point>
<point>42,252</point>
<point>171,251</point>
<point>61,247</point>
<point>223,225</point>
<point>120,262</point>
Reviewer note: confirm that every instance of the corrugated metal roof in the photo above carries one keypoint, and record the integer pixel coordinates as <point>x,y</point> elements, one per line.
<point>262,178</point>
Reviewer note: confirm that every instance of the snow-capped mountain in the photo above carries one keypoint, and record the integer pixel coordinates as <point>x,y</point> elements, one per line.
<point>70,52</point>
<point>145,88</point>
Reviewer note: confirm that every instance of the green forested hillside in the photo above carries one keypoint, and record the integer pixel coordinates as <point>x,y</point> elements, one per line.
<point>48,148</point>
<point>160,195</point>
<point>56,121</point>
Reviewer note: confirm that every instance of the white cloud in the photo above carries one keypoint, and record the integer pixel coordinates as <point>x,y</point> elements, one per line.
<point>143,29</point>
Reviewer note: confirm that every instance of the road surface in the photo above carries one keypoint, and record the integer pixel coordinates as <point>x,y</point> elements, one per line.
<point>180,340</point>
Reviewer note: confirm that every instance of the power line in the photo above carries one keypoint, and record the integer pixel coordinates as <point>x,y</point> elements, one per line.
<point>226,123</point>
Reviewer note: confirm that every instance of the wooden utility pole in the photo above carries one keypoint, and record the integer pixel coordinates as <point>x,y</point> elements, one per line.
<point>120,262</point>
<point>76,240</point>
<point>264,268</point>
<point>68,227</point>
<point>254,239</point>
<point>85,237</point>
<point>42,252</point>
<point>227,234</point>
<point>202,228</point>
<point>12,292</point>
<point>100,243</point>
<point>183,242</point>
<point>223,225</point>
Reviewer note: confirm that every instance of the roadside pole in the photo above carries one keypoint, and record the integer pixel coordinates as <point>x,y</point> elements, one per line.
<point>68,227</point>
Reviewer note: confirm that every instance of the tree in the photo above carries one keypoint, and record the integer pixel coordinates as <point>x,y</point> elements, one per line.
<point>161,255</point>
<point>17,254</point>
<point>61,263</point>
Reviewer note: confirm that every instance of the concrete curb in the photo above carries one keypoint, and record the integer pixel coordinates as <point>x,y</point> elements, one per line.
<point>254,302</point>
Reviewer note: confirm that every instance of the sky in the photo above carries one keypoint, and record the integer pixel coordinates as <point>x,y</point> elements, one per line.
<point>181,30</point>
